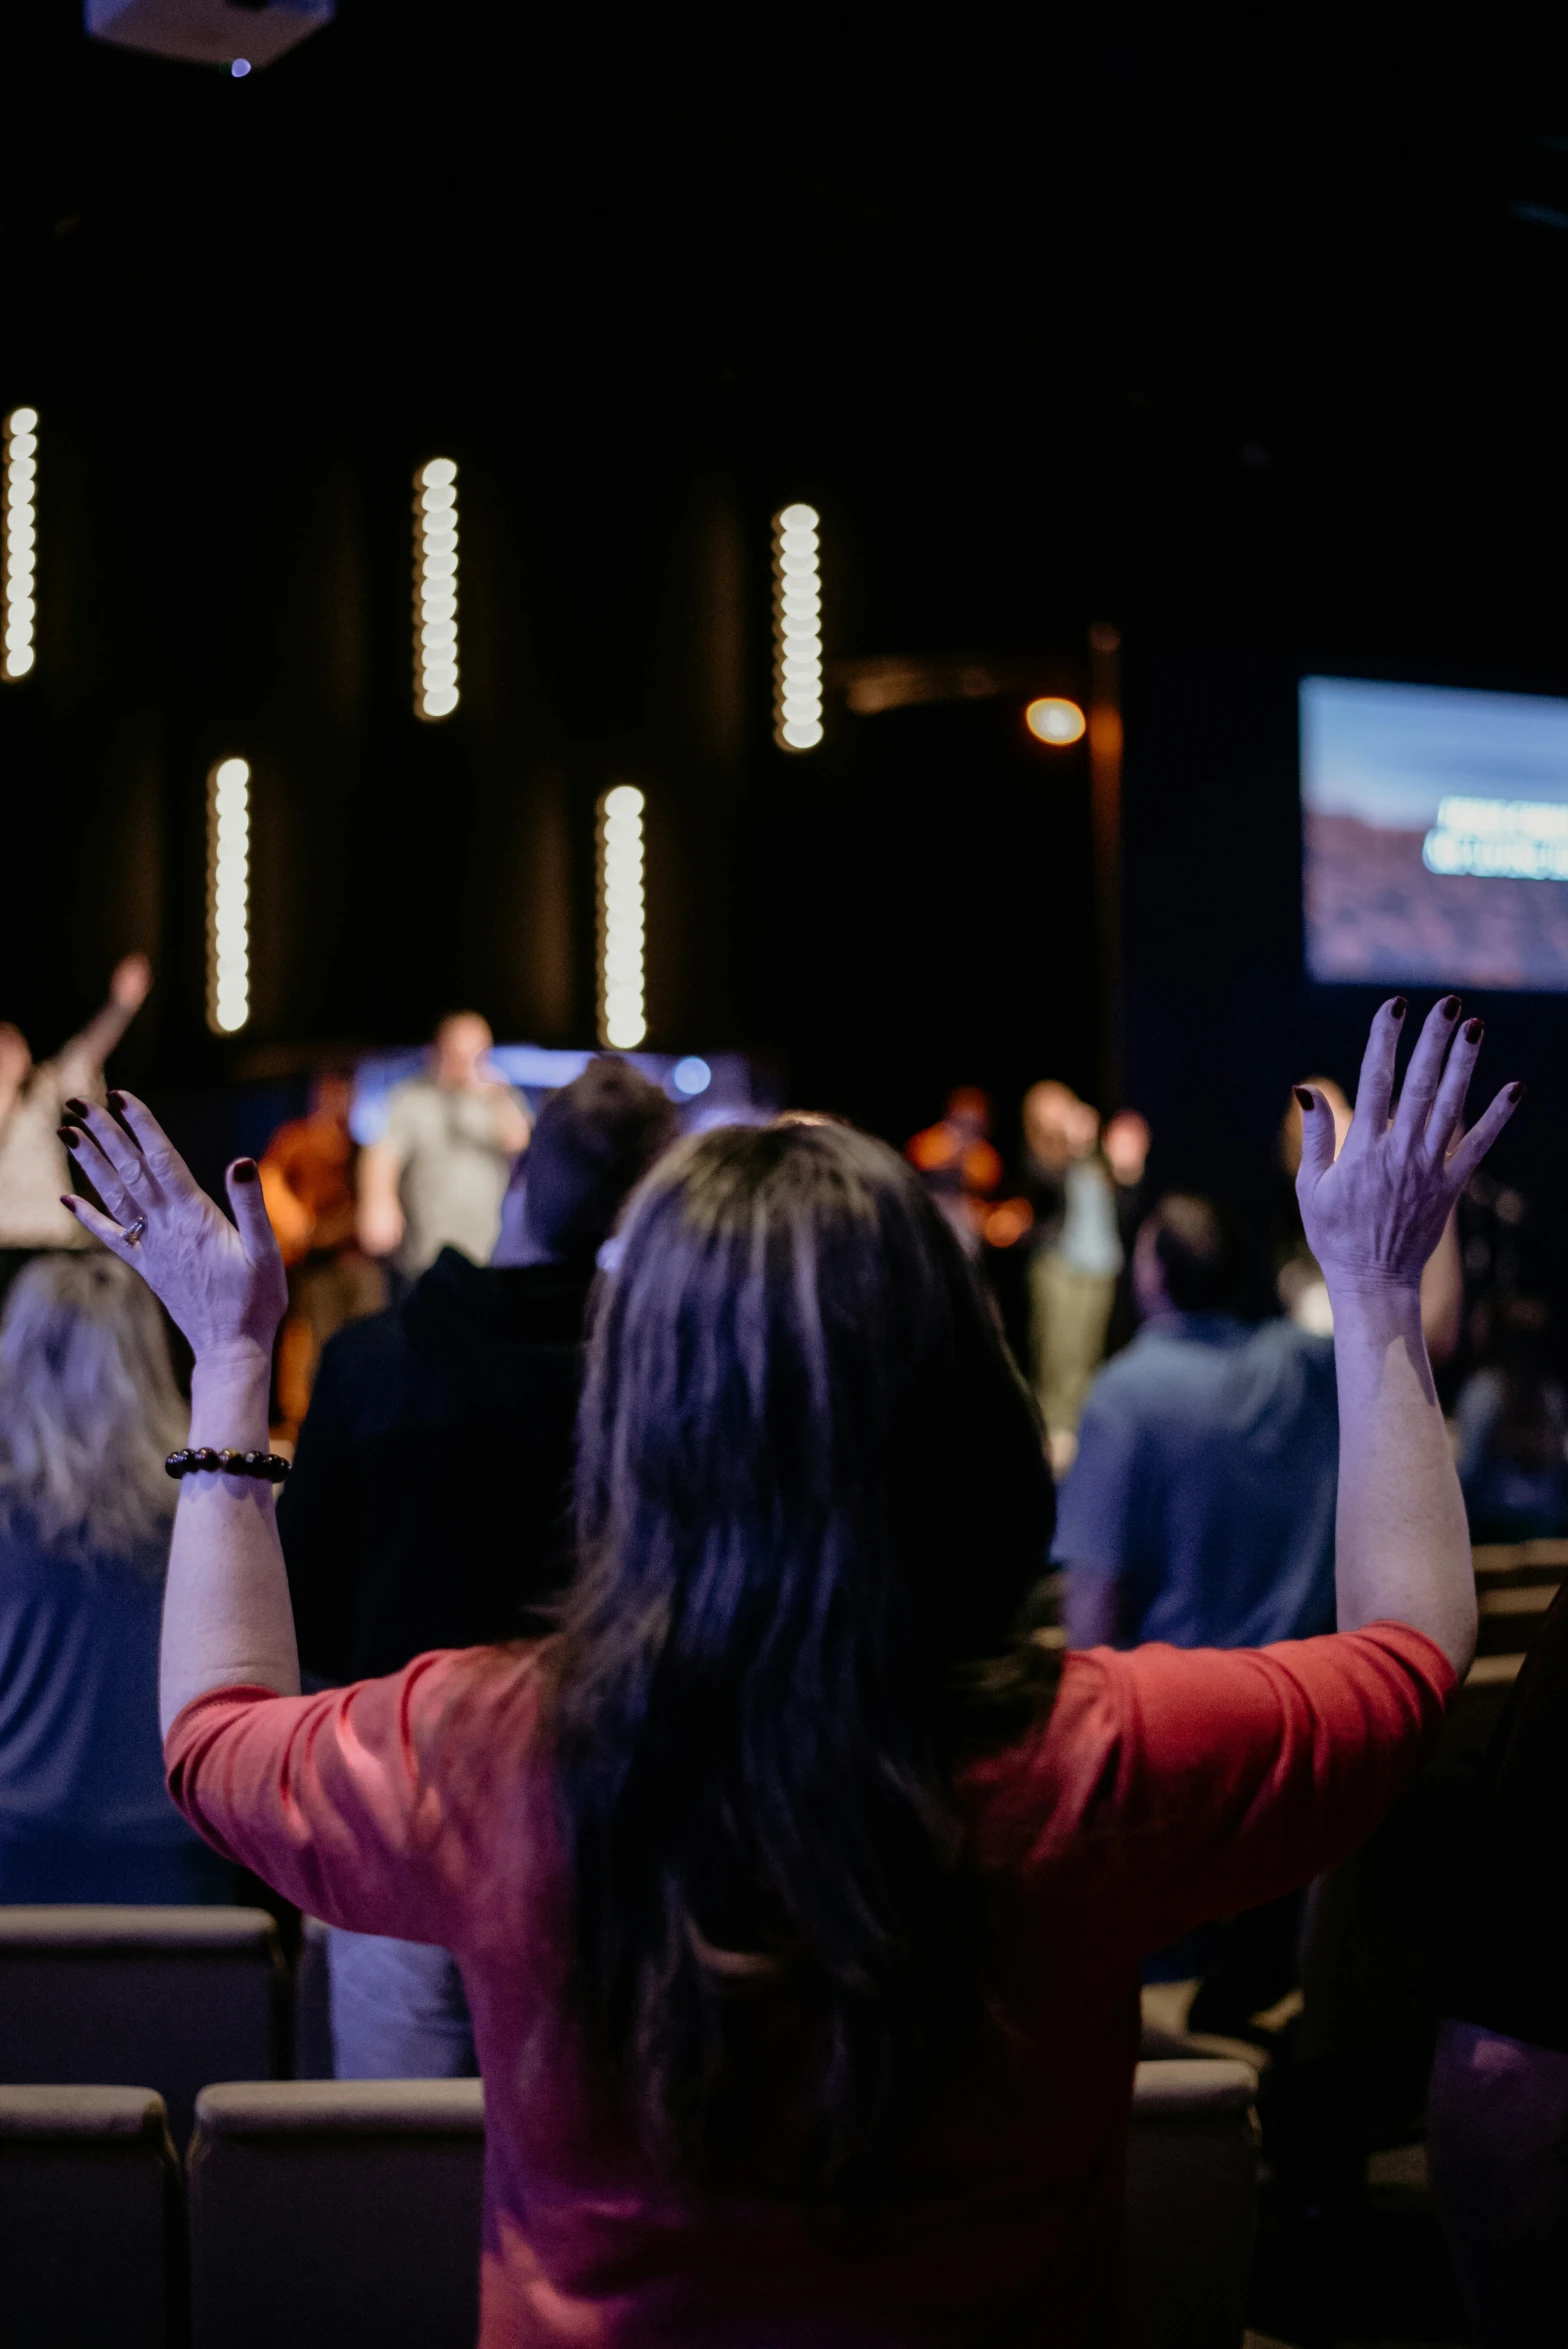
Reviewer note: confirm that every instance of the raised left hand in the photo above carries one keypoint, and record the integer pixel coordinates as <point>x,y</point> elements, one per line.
<point>222,1282</point>
<point>1374,1214</point>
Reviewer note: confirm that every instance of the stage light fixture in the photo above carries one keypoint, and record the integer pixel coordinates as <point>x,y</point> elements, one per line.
<point>623,1015</point>
<point>19,560</point>
<point>241,34</point>
<point>435,589</point>
<point>1053,720</point>
<point>228,896</point>
<point>797,629</point>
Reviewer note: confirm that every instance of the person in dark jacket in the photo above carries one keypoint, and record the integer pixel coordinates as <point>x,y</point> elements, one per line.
<point>428,1507</point>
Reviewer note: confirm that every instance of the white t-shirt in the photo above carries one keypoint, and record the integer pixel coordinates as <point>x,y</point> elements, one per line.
<point>34,1170</point>
<point>454,1158</point>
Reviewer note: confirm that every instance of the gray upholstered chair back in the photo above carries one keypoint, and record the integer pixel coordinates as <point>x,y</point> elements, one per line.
<point>91,2246</point>
<point>325,2211</point>
<point>1192,2201</point>
<point>174,1997</point>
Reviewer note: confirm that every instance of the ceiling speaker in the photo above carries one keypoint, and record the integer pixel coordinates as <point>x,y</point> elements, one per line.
<point>248,33</point>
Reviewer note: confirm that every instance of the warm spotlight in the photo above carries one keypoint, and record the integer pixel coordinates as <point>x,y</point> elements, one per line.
<point>623,1017</point>
<point>797,630</point>
<point>228,896</point>
<point>19,559</point>
<point>1055,721</point>
<point>435,589</point>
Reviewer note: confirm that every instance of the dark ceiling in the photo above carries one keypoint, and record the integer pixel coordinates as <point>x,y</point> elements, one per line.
<point>1247,338</point>
<point>1170,320</point>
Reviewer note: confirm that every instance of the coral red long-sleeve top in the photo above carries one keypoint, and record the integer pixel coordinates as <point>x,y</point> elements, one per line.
<point>1165,1788</point>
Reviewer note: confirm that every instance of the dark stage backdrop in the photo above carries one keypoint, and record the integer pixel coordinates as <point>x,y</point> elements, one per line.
<point>1123,330</point>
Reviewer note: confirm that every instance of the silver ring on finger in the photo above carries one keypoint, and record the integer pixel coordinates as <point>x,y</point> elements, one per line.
<point>132,1232</point>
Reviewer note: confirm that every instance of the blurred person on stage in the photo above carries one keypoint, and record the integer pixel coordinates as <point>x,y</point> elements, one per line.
<point>959,1164</point>
<point>1075,1257</point>
<point>1125,1145</point>
<point>307,1181</point>
<point>437,1176</point>
<point>427,1508</point>
<point>1300,1285</point>
<point>88,1412</point>
<point>33,1169</point>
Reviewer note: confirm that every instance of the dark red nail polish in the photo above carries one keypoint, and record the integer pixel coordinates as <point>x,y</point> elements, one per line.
<point>1474,1031</point>
<point>117,1102</point>
<point>69,1135</point>
<point>1399,1007</point>
<point>71,1203</point>
<point>245,1170</point>
<point>1307,1100</point>
<point>1516,1092</point>
<point>77,1108</point>
<point>1451,1008</point>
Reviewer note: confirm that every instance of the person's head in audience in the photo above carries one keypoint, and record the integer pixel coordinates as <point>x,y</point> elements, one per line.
<point>1182,1258</point>
<point>798,1421</point>
<point>594,1140</point>
<point>457,1056</point>
<point>88,1408</point>
<point>1058,1127</point>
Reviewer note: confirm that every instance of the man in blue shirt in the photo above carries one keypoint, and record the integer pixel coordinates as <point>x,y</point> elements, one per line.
<point>1200,1510</point>
<point>1200,1506</point>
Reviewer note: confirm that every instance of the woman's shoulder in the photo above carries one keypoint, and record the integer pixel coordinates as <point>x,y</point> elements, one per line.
<point>1143,1730</point>
<point>465,1707</point>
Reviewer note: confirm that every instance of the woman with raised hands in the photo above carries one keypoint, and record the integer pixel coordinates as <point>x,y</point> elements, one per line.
<point>799,1906</point>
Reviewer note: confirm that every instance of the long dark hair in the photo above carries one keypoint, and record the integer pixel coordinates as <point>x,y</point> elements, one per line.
<point>811,1501</point>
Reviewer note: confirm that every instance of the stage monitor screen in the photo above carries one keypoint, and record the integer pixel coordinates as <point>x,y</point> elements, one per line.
<point>1435,834</point>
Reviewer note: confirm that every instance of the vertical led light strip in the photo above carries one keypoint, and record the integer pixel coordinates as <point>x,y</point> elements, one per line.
<point>19,564</point>
<point>797,629</point>
<point>228,896</point>
<point>435,589</point>
<point>623,1011</point>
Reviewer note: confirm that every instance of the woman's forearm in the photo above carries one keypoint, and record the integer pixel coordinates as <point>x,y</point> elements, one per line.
<point>1402,1543</point>
<point>226,1612</point>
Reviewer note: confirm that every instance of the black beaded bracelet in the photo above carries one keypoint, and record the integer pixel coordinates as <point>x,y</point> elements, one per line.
<point>265,1465</point>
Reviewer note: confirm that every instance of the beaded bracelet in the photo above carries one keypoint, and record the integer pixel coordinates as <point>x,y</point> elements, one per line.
<point>266,1465</point>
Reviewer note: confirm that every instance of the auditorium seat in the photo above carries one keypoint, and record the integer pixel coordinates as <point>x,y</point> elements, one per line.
<point>1192,2193</point>
<point>91,2250</point>
<point>172,1996</point>
<point>326,2211</point>
<point>312,2011</point>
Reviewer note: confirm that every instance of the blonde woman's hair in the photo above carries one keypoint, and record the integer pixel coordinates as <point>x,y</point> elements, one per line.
<point>88,1409</point>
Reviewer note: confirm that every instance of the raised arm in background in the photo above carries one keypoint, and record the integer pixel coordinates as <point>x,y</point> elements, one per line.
<point>380,1208</point>
<point>1373,1217</point>
<point>80,1062</point>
